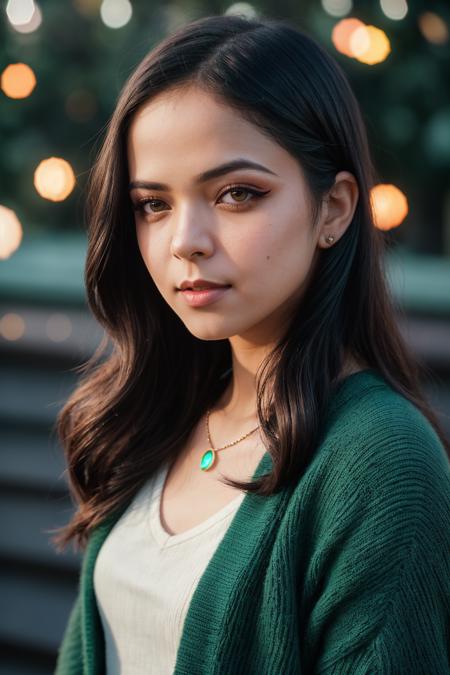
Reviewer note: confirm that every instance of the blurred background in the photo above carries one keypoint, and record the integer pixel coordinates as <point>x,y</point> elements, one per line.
<point>62,65</point>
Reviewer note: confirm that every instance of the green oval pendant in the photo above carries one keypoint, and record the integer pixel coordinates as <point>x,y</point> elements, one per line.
<point>207,460</point>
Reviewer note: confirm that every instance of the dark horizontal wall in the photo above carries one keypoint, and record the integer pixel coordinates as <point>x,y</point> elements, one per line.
<point>37,585</point>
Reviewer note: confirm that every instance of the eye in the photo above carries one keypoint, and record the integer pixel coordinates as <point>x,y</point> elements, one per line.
<point>139,206</point>
<point>235,190</point>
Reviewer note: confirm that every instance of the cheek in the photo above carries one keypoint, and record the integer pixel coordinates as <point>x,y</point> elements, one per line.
<point>146,244</point>
<point>142,238</point>
<point>250,249</point>
<point>148,252</point>
<point>275,258</point>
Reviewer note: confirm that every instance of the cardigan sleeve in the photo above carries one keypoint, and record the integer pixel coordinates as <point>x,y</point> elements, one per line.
<point>380,568</point>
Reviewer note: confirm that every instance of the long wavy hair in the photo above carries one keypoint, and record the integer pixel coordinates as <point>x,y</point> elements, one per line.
<point>150,381</point>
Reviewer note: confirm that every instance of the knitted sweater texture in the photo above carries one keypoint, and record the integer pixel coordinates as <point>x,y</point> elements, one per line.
<point>347,572</point>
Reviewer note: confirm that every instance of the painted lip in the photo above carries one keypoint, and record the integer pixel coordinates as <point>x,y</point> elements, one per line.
<point>199,283</point>
<point>206,297</point>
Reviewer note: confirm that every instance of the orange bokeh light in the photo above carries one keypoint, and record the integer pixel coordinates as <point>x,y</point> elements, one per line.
<point>10,232</point>
<point>54,179</point>
<point>389,206</point>
<point>369,45</point>
<point>18,80</point>
<point>342,33</point>
<point>433,28</point>
<point>12,326</point>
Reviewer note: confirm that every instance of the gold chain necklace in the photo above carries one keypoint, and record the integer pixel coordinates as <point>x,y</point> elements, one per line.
<point>209,456</point>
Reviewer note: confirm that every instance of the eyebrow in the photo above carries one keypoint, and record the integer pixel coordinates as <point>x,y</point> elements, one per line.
<point>217,171</point>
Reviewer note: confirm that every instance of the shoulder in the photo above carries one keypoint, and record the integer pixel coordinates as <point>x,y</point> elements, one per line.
<point>380,470</point>
<point>376,429</point>
<point>382,465</point>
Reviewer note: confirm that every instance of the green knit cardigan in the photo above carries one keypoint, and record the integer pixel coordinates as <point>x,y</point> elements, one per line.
<point>347,572</point>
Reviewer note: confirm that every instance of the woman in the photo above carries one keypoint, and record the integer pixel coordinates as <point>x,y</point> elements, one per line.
<point>261,486</point>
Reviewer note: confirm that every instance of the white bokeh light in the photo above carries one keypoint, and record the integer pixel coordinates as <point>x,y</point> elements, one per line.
<point>33,24</point>
<point>337,7</point>
<point>394,9</point>
<point>116,13</point>
<point>243,9</point>
<point>19,11</point>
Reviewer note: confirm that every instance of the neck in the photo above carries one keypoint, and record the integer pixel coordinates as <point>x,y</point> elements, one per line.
<point>238,402</point>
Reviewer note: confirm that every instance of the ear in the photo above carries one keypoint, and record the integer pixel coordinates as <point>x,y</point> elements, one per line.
<point>339,207</point>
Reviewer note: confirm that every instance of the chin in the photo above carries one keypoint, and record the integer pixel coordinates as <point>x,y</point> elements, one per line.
<point>208,332</point>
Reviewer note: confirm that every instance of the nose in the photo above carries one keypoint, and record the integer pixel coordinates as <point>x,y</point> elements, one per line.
<point>192,234</point>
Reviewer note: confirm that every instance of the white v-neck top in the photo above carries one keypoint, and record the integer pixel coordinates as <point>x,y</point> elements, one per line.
<point>144,579</point>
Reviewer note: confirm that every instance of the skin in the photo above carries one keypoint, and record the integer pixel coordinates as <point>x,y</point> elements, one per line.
<point>265,248</point>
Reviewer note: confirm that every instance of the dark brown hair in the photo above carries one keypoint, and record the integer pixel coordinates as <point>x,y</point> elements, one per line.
<point>135,407</point>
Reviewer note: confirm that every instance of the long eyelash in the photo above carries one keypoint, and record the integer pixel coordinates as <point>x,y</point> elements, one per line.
<point>257,194</point>
<point>139,205</point>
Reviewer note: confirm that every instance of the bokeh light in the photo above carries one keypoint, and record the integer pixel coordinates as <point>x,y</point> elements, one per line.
<point>17,80</point>
<point>243,9</point>
<point>355,39</point>
<point>394,9</point>
<point>31,25</point>
<point>54,179</point>
<point>10,232</point>
<point>389,206</point>
<point>342,32</point>
<point>87,8</point>
<point>116,13</point>
<point>12,326</point>
<point>20,11</point>
<point>433,28</point>
<point>369,45</point>
<point>58,327</point>
<point>337,7</point>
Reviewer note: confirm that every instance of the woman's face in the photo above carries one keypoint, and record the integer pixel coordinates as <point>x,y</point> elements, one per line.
<point>263,246</point>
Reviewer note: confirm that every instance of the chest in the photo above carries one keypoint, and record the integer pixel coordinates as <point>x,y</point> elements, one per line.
<point>189,495</point>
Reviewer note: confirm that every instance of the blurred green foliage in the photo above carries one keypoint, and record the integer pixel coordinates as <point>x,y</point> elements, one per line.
<point>81,65</point>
